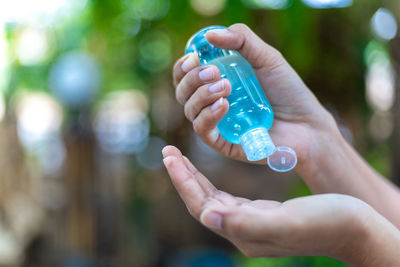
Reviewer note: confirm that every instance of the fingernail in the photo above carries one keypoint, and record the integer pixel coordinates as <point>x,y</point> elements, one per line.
<point>167,161</point>
<point>217,87</point>
<point>189,63</point>
<point>219,31</point>
<point>207,74</point>
<point>211,219</point>
<point>217,104</point>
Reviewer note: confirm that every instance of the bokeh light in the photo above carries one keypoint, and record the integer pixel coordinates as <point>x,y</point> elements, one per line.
<point>208,7</point>
<point>39,12</point>
<point>121,124</point>
<point>127,24</point>
<point>151,157</point>
<point>155,51</point>
<point>328,3</point>
<point>384,25</point>
<point>3,58</point>
<point>267,4</point>
<point>380,79</point>
<point>381,125</point>
<point>165,113</point>
<point>149,9</point>
<point>39,121</point>
<point>75,79</point>
<point>32,46</point>
<point>2,107</point>
<point>10,249</point>
<point>38,116</point>
<point>203,154</point>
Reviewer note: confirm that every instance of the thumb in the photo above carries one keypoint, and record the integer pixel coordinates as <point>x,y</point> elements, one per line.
<point>241,38</point>
<point>237,222</point>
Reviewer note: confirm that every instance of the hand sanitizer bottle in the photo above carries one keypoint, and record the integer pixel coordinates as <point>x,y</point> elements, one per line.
<point>250,115</point>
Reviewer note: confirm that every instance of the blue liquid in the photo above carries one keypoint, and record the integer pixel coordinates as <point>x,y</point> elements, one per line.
<point>248,106</point>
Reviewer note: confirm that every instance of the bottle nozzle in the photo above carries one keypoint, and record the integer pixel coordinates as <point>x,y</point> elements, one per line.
<point>257,145</point>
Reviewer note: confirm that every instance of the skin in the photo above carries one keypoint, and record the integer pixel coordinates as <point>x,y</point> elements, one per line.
<point>338,226</point>
<point>357,234</point>
<point>326,162</point>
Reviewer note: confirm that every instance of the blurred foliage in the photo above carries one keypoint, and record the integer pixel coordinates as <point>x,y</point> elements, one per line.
<point>135,43</point>
<point>292,262</point>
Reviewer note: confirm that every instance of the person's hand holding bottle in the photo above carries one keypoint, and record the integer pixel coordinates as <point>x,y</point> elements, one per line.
<point>299,117</point>
<point>326,162</point>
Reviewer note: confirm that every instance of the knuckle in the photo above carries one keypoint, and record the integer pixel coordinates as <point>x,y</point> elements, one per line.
<point>198,126</point>
<point>178,95</point>
<point>239,27</point>
<point>188,111</point>
<point>192,77</point>
<point>277,56</point>
<point>227,86</point>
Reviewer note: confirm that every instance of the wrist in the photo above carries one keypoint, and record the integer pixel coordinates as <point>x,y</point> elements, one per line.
<point>327,151</point>
<point>372,241</point>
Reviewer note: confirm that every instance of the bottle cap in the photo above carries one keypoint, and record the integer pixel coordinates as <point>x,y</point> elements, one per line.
<point>257,144</point>
<point>283,159</point>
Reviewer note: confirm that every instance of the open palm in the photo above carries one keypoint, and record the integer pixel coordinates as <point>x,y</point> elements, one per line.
<point>264,228</point>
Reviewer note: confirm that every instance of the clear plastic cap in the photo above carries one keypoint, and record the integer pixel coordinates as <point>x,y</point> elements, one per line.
<point>284,159</point>
<point>257,145</point>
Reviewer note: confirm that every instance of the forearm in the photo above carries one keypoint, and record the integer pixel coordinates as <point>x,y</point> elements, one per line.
<point>335,167</point>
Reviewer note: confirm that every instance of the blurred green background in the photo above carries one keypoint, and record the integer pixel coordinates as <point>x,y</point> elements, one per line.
<point>87,103</point>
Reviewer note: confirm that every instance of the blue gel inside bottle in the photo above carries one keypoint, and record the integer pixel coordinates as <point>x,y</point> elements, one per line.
<point>250,115</point>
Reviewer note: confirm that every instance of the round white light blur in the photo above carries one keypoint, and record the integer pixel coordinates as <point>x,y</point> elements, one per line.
<point>121,124</point>
<point>32,46</point>
<point>10,248</point>
<point>208,7</point>
<point>384,24</point>
<point>328,3</point>
<point>38,12</point>
<point>273,4</point>
<point>380,85</point>
<point>38,117</point>
<point>4,62</point>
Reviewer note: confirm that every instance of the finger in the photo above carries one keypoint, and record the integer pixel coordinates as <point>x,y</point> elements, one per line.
<point>183,66</point>
<point>263,204</point>
<point>194,79</point>
<point>205,124</point>
<point>208,188</point>
<point>241,38</point>
<point>243,222</point>
<point>187,186</point>
<point>206,95</point>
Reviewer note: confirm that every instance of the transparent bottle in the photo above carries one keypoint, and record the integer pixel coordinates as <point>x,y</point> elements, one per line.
<point>250,115</point>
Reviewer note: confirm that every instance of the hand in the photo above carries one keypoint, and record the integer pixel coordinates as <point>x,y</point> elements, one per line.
<point>333,225</point>
<point>299,118</point>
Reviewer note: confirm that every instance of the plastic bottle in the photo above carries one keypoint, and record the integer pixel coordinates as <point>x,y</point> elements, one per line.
<point>250,115</point>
